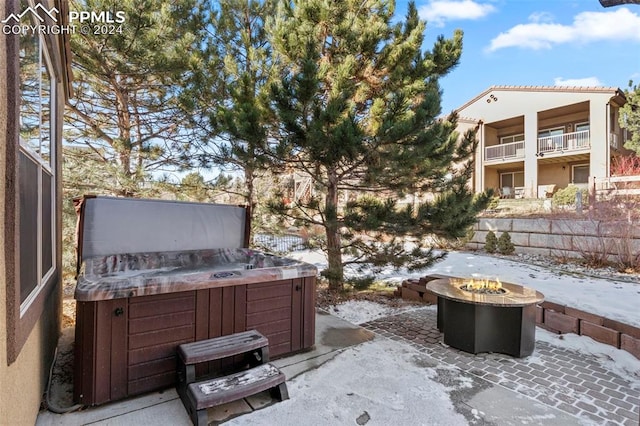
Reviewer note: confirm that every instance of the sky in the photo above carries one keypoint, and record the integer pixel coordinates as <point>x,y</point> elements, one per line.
<point>533,42</point>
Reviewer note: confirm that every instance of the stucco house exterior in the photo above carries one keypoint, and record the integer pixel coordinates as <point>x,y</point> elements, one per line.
<point>534,140</point>
<point>34,86</point>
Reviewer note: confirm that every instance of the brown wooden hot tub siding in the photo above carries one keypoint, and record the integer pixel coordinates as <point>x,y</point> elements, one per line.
<point>125,347</point>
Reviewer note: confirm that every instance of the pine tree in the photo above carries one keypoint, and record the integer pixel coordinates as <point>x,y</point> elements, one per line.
<point>630,117</point>
<point>127,86</point>
<point>505,246</point>
<point>231,92</point>
<point>491,242</point>
<point>358,104</point>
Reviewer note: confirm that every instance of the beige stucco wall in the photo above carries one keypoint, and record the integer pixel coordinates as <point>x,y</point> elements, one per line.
<point>554,174</point>
<point>22,384</point>
<point>502,103</point>
<point>519,101</point>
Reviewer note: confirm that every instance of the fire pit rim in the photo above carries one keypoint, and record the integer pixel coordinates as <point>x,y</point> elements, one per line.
<point>517,295</point>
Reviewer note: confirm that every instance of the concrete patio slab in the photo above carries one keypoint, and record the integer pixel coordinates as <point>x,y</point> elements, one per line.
<point>554,386</point>
<point>333,335</point>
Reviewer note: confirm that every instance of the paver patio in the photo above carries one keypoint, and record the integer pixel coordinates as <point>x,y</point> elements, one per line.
<point>562,378</point>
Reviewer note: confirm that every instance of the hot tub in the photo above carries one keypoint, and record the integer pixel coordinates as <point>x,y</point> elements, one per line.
<point>133,310</point>
<point>155,273</point>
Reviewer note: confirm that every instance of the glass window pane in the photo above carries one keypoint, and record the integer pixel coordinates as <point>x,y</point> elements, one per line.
<point>28,186</point>
<point>506,180</point>
<point>519,179</point>
<point>581,174</point>
<point>30,91</point>
<point>47,222</point>
<point>45,114</point>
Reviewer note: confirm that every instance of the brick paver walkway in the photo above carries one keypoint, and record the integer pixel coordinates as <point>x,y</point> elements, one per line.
<point>563,378</point>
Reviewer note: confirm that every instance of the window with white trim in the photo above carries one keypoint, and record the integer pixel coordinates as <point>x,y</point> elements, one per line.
<point>36,173</point>
<point>580,173</point>
<point>512,180</point>
<point>512,138</point>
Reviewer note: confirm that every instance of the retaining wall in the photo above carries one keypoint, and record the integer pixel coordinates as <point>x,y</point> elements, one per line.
<point>560,237</point>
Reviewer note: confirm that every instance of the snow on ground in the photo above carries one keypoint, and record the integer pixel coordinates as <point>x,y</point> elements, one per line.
<point>347,390</point>
<point>405,394</point>
<point>620,362</point>
<point>361,311</point>
<point>605,296</point>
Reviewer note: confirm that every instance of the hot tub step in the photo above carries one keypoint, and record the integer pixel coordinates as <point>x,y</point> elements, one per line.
<point>224,346</point>
<point>199,395</point>
<point>210,393</point>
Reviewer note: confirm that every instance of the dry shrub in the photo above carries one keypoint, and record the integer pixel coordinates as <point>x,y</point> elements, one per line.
<point>625,165</point>
<point>615,221</point>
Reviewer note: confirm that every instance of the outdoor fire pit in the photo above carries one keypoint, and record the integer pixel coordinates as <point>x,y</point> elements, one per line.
<point>486,316</point>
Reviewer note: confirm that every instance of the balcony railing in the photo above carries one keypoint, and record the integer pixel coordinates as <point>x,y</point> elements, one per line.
<point>574,141</point>
<point>511,150</point>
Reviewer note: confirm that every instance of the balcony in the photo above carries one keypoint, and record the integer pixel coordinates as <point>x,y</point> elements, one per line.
<point>567,142</point>
<point>505,151</point>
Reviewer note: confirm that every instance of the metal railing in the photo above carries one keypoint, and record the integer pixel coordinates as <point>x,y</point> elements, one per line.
<point>279,243</point>
<point>617,185</point>
<point>574,141</point>
<point>505,150</point>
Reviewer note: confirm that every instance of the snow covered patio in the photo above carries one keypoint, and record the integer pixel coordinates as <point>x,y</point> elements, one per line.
<point>404,375</point>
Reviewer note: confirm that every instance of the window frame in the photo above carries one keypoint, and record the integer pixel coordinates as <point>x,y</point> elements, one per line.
<point>549,130</point>
<point>512,137</point>
<point>513,178</point>
<point>573,173</point>
<point>584,123</point>
<point>44,310</point>
<point>44,166</point>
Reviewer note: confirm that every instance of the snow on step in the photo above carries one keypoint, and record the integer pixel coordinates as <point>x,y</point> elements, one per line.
<point>244,378</point>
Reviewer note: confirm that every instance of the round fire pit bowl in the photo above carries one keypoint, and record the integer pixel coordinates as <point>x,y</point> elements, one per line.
<point>501,320</point>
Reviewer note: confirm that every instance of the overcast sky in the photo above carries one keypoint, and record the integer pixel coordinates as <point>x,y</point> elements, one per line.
<point>534,42</point>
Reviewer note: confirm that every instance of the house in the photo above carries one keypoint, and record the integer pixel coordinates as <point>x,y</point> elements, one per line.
<point>534,140</point>
<point>34,86</point>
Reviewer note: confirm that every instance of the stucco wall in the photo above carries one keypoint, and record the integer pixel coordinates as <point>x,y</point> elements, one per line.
<point>558,237</point>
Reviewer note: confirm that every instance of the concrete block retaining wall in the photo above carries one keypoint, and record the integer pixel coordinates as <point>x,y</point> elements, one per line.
<point>564,319</point>
<point>559,237</point>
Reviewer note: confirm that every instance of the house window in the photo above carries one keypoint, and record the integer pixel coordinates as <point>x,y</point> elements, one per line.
<point>580,127</point>
<point>558,131</point>
<point>512,138</point>
<point>580,173</point>
<point>511,179</point>
<point>36,174</point>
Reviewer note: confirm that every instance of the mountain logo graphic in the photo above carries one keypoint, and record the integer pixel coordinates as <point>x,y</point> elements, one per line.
<point>35,11</point>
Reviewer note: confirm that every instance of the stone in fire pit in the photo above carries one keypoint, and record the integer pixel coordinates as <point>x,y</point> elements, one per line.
<point>486,316</point>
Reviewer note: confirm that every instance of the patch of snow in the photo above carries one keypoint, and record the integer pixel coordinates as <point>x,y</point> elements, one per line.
<point>361,311</point>
<point>606,296</point>
<point>345,387</point>
<point>618,361</point>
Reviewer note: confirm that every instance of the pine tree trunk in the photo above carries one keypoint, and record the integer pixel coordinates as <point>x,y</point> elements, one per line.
<point>248,179</point>
<point>335,271</point>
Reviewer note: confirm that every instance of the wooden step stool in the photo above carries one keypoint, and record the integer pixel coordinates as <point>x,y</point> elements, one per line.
<point>197,396</point>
